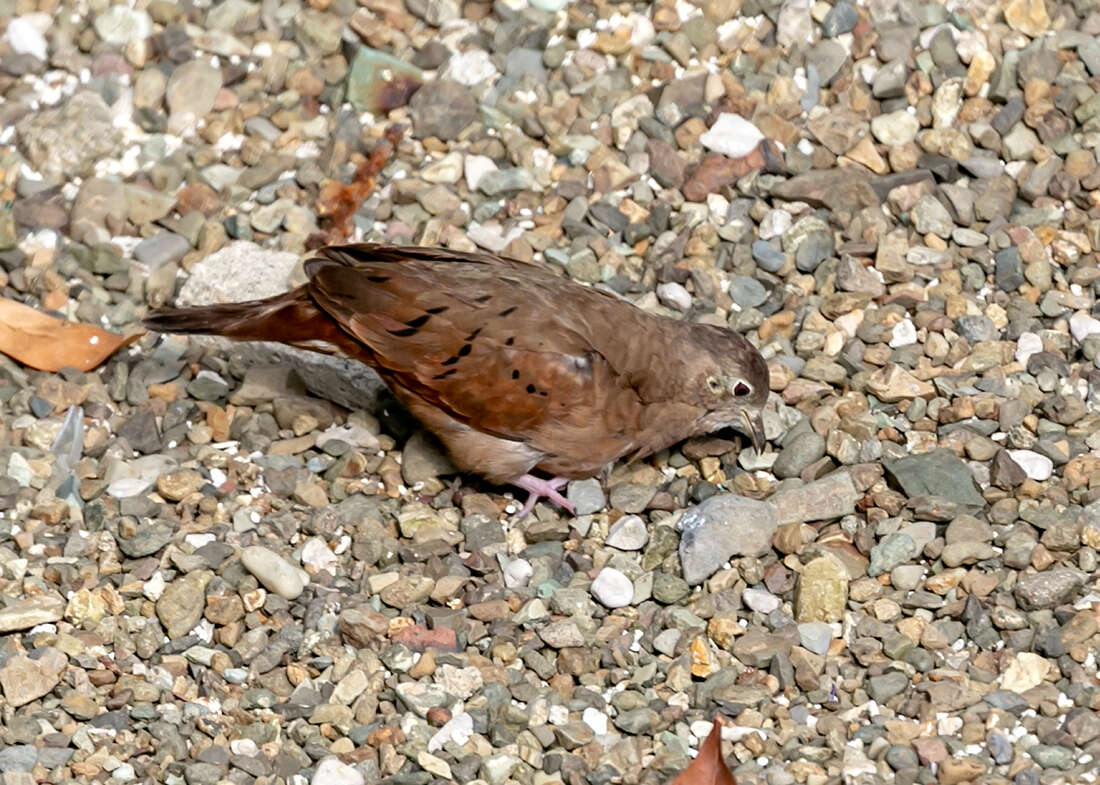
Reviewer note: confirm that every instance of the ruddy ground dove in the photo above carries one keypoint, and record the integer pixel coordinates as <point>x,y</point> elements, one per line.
<point>514,368</point>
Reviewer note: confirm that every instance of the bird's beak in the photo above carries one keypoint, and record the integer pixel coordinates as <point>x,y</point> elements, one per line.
<point>754,427</point>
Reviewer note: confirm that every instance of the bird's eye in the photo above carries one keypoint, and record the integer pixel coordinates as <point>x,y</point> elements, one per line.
<point>714,384</point>
<point>741,390</point>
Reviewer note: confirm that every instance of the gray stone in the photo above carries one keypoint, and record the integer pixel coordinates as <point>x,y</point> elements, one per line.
<point>827,57</point>
<point>816,636</point>
<point>636,721</point>
<point>841,18</point>
<point>67,141</point>
<point>162,248</point>
<point>1048,589</point>
<point>442,108</point>
<point>193,88</point>
<point>722,527</point>
<point>882,688</point>
<point>938,473</point>
<point>18,757</point>
<point>628,534</point>
<point>1008,271</point>
<point>419,697</point>
<point>889,81</point>
<point>768,256</point>
<point>747,292</point>
<point>1051,756</point>
<point>798,452</point>
<point>501,181</point>
<point>833,496</point>
<point>586,496</point>
<point>146,540</point>
<point>894,550</point>
<point>1019,143</point>
<point>975,328</point>
<point>930,216</point>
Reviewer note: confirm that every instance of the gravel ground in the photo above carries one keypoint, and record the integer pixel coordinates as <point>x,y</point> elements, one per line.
<point>242,564</point>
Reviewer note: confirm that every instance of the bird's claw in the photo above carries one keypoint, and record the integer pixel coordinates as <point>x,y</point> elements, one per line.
<point>538,488</point>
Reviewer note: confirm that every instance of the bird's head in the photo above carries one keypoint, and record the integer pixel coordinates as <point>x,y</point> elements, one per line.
<point>732,379</point>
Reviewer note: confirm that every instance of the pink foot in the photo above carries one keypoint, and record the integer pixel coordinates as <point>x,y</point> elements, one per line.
<point>539,488</point>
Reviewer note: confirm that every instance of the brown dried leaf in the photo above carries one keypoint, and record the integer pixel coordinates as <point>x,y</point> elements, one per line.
<point>339,202</point>
<point>46,343</point>
<point>708,768</point>
<point>717,171</point>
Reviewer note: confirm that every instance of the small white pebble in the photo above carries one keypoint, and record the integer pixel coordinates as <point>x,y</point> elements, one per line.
<point>904,334</point>
<point>731,135</point>
<point>1082,325</point>
<point>1037,467</point>
<point>1026,345</point>
<point>596,720</point>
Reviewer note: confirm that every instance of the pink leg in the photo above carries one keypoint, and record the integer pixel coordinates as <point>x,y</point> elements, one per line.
<point>539,488</point>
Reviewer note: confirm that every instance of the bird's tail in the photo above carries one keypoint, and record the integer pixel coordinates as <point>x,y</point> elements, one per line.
<point>292,318</point>
<point>253,320</point>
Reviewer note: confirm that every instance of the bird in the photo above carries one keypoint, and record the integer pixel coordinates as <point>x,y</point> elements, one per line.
<point>516,369</point>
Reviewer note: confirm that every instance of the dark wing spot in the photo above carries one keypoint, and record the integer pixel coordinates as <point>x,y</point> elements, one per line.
<point>466,347</point>
<point>445,374</point>
<point>543,393</point>
<point>515,374</point>
<point>473,335</point>
<point>437,309</point>
<point>378,278</point>
<point>483,299</point>
<point>511,340</point>
<point>450,360</point>
<point>531,389</point>
<point>507,311</point>
<point>419,321</point>
<point>405,333</point>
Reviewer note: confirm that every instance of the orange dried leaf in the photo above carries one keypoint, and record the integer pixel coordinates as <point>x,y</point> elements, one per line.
<point>715,172</point>
<point>338,202</point>
<point>708,768</point>
<point>43,342</point>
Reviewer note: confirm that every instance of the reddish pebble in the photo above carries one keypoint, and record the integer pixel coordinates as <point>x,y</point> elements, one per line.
<point>438,716</point>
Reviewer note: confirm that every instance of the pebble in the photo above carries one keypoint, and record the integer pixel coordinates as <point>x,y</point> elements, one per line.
<point>815,636</point>
<point>273,571</point>
<point>612,588</point>
<point>799,452</point>
<point>24,680</point>
<point>822,591</point>
<point>120,25</point>
<point>192,89</point>
<point>23,614</point>
<point>833,496</point>
<point>25,37</point>
<point>760,600</point>
<point>331,771</point>
<point>628,534</point>
<point>722,527</point>
<point>731,135</point>
<point>1037,467</point>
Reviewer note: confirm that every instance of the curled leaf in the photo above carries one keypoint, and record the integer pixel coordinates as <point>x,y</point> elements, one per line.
<point>708,768</point>
<point>338,202</point>
<point>46,343</point>
<point>715,172</point>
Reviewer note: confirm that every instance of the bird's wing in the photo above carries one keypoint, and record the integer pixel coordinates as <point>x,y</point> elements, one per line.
<point>488,341</point>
